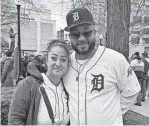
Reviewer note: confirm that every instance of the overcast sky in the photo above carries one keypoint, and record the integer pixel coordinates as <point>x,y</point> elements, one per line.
<point>58,11</point>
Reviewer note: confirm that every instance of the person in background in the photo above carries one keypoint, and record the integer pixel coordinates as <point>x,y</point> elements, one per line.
<point>100,82</point>
<point>6,78</point>
<point>25,61</point>
<point>11,49</point>
<point>38,61</point>
<point>31,57</point>
<point>40,98</point>
<point>12,37</point>
<point>3,57</point>
<point>138,66</point>
<point>131,58</point>
<point>15,55</point>
<point>147,93</point>
<point>145,76</point>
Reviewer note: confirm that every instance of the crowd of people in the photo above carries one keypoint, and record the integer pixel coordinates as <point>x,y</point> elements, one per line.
<point>8,78</point>
<point>92,86</point>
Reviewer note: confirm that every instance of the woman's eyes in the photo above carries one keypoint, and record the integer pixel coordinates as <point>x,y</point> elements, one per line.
<point>53,58</point>
<point>63,60</point>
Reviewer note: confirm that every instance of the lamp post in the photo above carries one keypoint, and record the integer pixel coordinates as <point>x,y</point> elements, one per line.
<point>18,4</point>
<point>19,37</point>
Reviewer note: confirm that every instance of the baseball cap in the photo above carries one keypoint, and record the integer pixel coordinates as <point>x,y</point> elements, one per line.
<point>37,54</point>
<point>78,16</point>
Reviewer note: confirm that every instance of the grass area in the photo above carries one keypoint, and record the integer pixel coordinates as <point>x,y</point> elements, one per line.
<point>133,118</point>
<point>6,95</point>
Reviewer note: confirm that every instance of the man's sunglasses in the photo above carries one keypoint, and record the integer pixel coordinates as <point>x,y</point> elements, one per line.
<point>76,35</point>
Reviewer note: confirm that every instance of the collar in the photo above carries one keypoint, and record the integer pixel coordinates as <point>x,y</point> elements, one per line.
<point>95,58</point>
<point>49,84</point>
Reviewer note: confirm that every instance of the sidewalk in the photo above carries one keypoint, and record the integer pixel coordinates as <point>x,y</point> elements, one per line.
<point>143,110</point>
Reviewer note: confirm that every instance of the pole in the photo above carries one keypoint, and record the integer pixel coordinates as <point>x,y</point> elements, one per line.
<point>19,39</point>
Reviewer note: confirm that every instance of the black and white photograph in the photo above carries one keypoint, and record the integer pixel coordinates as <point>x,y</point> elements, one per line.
<point>74,62</point>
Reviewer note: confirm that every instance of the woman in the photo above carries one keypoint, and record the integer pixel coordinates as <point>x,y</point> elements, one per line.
<point>7,66</point>
<point>28,106</point>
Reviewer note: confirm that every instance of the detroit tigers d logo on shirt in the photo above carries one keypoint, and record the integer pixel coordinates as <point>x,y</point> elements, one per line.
<point>129,71</point>
<point>97,82</point>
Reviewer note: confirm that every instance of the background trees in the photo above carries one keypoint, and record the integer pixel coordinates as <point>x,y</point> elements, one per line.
<point>9,17</point>
<point>114,21</point>
<point>123,22</point>
<point>139,29</point>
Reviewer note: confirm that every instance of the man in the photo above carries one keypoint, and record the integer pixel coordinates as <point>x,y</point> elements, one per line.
<point>145,77</point>
<point>100,82</point>
<point>6,78</point>
<point>147,92</point>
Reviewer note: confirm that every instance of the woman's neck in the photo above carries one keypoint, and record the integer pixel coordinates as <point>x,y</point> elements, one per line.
<point>55,80</point>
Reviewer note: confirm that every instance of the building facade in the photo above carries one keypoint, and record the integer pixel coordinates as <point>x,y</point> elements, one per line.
<point>37,28</point>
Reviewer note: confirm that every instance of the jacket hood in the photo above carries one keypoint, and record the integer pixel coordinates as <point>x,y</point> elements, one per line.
<point>33,71</point>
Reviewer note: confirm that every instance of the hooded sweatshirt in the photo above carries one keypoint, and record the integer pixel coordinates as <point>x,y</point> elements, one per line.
<point>26,99</point>
<point>28,107</point>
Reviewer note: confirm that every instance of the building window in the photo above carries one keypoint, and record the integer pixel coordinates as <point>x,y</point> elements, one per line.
<point>146,19</point>
<point>147,2</point>
<point>135,32</point>
<point>145,40</point>
<point>147,6</point>
<point>137,19</point>
<point>135,40</point>
<point>145,31</point>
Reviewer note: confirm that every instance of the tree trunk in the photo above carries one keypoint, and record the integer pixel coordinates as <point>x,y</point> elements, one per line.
<point>118,20</point>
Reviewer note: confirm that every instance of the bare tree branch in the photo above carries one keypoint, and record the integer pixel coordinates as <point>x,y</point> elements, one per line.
<point>9,13</point>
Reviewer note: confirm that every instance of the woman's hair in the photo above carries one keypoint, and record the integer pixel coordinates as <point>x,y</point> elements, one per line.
<point>55,43</point>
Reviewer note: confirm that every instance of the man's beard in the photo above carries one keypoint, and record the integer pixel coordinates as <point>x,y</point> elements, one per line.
<point>91,47</point>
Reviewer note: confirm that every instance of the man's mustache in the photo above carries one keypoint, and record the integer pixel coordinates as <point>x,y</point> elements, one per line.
<point>82,42</point>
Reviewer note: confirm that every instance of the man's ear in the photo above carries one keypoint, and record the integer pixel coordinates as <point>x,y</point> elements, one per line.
<point>70,38</point>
